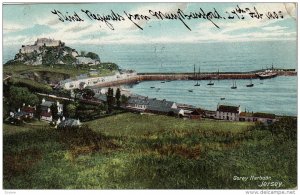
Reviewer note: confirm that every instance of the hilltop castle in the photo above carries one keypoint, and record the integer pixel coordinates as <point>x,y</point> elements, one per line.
<point>46,51</point>
<point>39,43</point>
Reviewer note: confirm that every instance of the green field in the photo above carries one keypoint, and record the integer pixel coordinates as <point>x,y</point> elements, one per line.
<point>131,151</point>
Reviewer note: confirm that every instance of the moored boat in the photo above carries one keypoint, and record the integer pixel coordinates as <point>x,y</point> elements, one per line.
<point>251,84</point>
<point>266,75</point>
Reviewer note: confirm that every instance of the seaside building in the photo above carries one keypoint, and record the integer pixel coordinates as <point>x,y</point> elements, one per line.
<point>210,114</point>
<point>76,82</point>
<point>226,112</point>
<point>265,118</point>
<point>138,103</point>
<point>86,61</point>
<point>153,105</point>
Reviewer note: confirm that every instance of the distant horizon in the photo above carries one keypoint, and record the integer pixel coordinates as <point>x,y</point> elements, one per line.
<point>24,23</point>
<point>152,43</point>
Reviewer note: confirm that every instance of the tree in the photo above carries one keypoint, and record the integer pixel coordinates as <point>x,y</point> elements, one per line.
<point>76,93</point>
<point>102,107</point>
<point>110,99</point>
<point>38,111</point>
<point>82,53</point>
<point>92,55</point>
<point>124,99</point>
<point>118,96</point>
<point>54,111</point>
<point>286,126</point>
<point>88,93</point>
<point>20,95</point>
<point>71,110</point>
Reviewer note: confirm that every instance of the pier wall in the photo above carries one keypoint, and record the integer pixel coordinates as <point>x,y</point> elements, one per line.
<point>191,76</point>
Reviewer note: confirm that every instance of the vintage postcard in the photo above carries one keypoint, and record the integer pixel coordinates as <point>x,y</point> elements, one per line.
<point>150,96</point>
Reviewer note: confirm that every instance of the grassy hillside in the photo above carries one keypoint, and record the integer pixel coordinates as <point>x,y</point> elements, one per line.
<point>140,151</point>
<point>37,78</point>
<point>71,71</point>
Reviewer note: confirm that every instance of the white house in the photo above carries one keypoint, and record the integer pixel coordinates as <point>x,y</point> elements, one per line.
<point>230,113</point>
<point>69,123</point>
<point>86,61</point>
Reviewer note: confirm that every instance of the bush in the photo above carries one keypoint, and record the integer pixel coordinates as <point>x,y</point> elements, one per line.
<point>285,126</point>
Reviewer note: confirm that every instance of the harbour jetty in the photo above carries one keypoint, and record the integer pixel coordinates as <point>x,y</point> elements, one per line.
<point>213,75</point>
<point>127,78</point>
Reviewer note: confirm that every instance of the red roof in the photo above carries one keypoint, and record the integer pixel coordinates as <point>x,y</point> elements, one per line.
<point>46,114</point>
<point>232,109</point>
<point>28,109</point>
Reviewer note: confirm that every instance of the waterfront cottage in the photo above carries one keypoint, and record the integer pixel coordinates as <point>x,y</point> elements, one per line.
<point>138,103</point>
<point>152,105</point>
<point>210,114</point>
<point>226,112</point>
<point>265,118</point>
<point>162,107</point>
<point>193,114</point>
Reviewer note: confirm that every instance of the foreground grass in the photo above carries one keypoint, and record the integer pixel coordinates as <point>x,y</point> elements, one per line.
<point>131,151</point>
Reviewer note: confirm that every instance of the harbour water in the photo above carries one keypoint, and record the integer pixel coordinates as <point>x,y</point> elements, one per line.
<point>277,95</point>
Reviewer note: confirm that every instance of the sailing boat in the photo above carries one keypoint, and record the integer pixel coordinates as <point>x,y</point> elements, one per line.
<point>198,84</point>
<point>210,83</point>
<point>251,84</point>
<point>234,85</point>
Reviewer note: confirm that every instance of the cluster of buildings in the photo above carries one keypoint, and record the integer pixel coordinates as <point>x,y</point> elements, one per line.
<point>223,112</point>
<point>143,104</point>
<point>82,81</point>
<point>29,112</point>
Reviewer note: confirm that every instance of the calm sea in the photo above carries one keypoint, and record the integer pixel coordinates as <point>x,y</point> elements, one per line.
<point>278,95</point>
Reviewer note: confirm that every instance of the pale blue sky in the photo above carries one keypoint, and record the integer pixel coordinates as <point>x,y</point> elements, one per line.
<point>22,24</point>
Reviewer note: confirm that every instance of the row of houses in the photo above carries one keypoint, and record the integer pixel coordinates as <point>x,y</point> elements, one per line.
<point>153,105</point>
<point>223,112</point>
<point>83,81</point>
